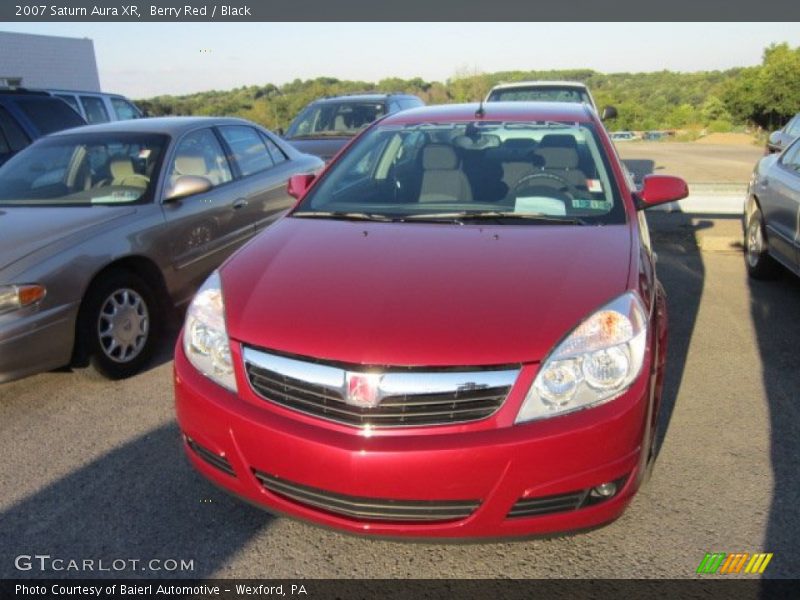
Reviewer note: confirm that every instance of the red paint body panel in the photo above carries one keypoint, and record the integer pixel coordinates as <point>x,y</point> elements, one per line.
<point>431,294</point>
<point>421,294</point>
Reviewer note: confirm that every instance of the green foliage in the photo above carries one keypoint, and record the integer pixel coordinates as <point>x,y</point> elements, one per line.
<point>766,95</point>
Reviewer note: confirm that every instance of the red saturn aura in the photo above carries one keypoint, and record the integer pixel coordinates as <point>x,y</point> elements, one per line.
<point>456,333</point>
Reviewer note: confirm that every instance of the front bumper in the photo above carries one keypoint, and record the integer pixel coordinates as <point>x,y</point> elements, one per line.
<point>34,340</point>
<point>285,462</point>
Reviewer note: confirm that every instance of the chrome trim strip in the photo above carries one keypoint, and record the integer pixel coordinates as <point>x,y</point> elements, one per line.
<point>391,383</point>
<point>329,377</point>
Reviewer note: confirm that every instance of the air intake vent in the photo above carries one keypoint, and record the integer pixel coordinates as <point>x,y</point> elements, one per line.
<point>215,460</point>
<point>369,509</point>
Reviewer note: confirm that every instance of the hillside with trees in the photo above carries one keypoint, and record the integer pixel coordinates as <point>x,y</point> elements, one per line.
<point>764,96</point>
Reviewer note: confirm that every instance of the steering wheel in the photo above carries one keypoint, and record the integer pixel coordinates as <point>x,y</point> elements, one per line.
<point>548,179</point>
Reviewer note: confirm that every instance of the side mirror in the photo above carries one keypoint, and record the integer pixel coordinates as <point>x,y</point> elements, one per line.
<point>298,184</point>
<point>609,112</point>
<point>187,185</point>
<point>660,189</point>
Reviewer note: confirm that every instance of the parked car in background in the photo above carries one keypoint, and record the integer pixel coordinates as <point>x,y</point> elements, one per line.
<point>26,116</point>
<point>547,91</point>
<point>466,296</point>
<point>327,124</point>
<point>654,136</point>
<point>623,136</point>
<point>98,107</point>
<point>778,140</point>
<point>106,227</point>
<point>771,227</point>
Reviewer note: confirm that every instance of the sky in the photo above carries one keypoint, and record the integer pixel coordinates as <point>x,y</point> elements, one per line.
<point>141,60</point>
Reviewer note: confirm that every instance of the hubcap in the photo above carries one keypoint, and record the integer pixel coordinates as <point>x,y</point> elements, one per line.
<point>123,325</point>
<point>755,242</point>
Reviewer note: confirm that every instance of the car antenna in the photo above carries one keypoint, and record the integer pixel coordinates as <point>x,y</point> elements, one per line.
<point>480,113</point>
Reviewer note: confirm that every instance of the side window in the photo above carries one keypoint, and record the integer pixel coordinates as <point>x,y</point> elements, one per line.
<point>248,149</point>
<point>394,106</point>
<point>793,128</point>
<point>94,109</point>
<point>15,138</point>
<point>49,114</point>
<point>411,103</point>
<point>274,150</point>
<point>200,154</point>
<point>791,159</point>
<point>71,100</point>
<point>124,109</point>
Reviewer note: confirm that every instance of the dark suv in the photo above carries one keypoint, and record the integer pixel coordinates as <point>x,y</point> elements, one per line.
<point>327,124</point>
<point>27,115</point>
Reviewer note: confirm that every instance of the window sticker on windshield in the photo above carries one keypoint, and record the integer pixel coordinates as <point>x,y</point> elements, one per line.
<point>591,204</point>
<point>594,185</point>
<point>540,205</point>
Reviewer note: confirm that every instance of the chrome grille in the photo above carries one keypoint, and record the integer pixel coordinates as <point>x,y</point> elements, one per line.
<point>403,398</point>
<point>371,509</point>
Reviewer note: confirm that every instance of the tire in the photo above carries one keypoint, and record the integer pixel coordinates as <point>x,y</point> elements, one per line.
<point>118,325</point>
<point>760,265</point>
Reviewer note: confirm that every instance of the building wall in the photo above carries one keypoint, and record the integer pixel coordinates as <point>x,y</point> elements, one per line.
<point>44,61</point>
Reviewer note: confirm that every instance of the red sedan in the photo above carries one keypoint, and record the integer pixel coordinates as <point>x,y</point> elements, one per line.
<point>457,332</point>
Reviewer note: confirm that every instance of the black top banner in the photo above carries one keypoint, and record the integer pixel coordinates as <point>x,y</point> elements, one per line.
<point>408,10</point>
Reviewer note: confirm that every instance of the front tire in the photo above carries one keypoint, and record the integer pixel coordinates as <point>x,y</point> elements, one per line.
<point>119,324</point>
<point>760,265</point>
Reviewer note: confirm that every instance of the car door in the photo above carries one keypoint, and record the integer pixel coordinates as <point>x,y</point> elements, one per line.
<point>205,228</point>
<point>264,171</point>
<point>780,198</point>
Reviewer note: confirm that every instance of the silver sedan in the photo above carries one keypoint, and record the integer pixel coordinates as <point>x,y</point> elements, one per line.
<point>772,214</point>
<point>104,229</point>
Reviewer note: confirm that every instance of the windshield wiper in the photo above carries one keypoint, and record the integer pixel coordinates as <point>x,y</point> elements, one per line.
<point>461,216</point>
<point>343,215</point>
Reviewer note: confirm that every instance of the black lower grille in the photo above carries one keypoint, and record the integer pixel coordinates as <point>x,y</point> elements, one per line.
<point>529,507</point>
<point>371,509</point>
<point>215,460</point>
<point>545,505</point>
<point>393,411</point>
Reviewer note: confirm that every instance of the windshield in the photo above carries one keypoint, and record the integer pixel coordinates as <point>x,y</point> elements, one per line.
<point>540,94</point>
<point>81,169</point>
<point>503,171</point>
<point>331,118</point>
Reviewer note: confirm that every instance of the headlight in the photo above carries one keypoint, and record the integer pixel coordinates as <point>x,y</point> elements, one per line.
<point>205,337</point>
<point>596,363</point>
<point>13,297</point>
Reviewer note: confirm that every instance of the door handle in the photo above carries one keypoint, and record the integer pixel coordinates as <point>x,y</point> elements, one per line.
<point>239,203</point>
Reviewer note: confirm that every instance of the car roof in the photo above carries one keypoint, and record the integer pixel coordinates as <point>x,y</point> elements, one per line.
<point>494,111</point>
<point>523,84</point>
<point>167,125</point>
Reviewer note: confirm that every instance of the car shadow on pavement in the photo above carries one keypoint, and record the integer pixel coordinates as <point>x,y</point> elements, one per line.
<point>775,312</point>
<point>140,501</point>
<point>680,269</point>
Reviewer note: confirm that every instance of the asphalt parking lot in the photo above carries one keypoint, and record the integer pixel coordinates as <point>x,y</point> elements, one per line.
<point>95,469</point>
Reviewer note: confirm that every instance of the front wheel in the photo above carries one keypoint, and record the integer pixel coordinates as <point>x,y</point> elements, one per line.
<point>118,324</point>
<point>760,265</point>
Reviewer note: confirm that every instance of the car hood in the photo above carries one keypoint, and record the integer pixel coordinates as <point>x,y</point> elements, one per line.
<point>324,147</point>
<point>28,229</point>
<point>420,294</point>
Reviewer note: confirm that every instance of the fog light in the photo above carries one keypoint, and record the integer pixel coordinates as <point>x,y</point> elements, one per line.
<point>605,490</point>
